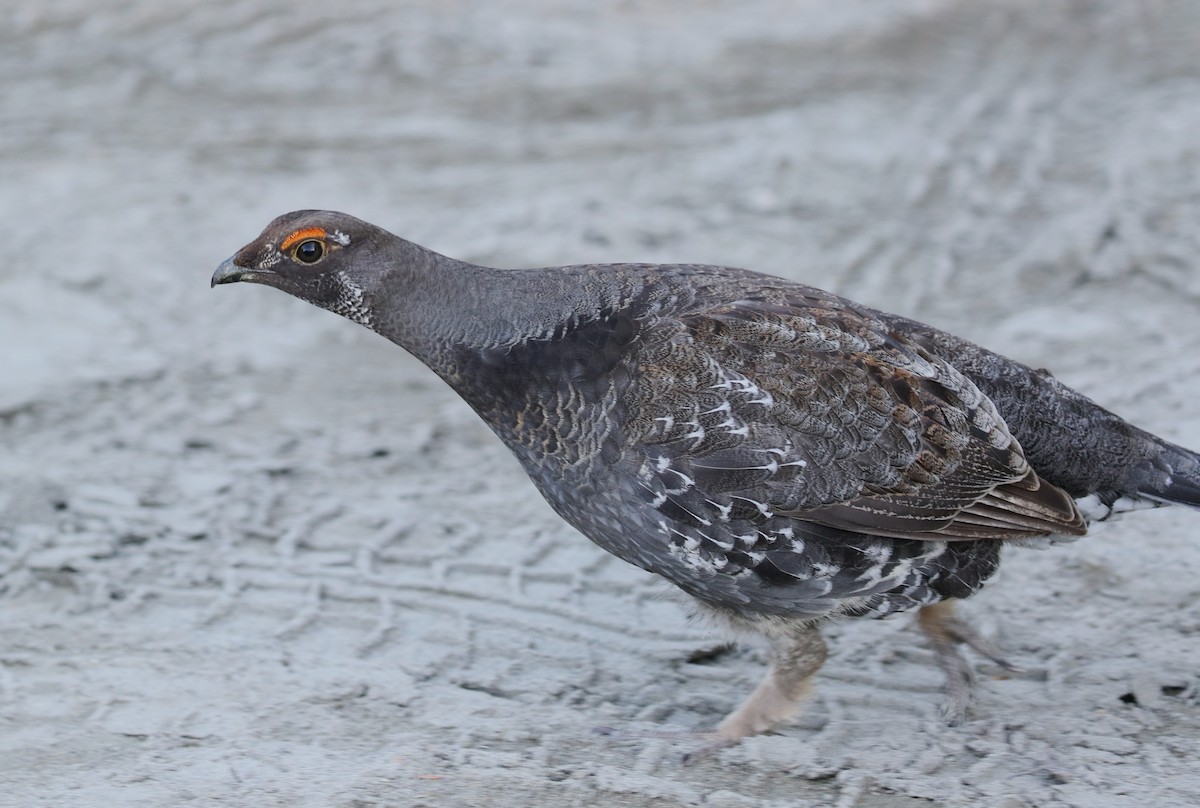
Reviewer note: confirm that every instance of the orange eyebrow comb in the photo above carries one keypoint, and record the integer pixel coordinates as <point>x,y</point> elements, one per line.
<point>300,235</point>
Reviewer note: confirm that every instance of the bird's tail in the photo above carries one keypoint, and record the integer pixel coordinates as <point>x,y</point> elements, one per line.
<point>1166,475</point>
<point>1170,475</point>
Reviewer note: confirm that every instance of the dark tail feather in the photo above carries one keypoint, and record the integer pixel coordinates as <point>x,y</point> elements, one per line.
<point>1173,475</point>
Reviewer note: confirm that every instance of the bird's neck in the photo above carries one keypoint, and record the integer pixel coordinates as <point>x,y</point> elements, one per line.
<point>438,308</point>
<point>515,344</point>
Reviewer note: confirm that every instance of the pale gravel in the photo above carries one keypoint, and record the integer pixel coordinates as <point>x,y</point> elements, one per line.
<point>252,555</point>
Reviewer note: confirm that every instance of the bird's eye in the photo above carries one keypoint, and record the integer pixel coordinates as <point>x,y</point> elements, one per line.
<point>309,251</point>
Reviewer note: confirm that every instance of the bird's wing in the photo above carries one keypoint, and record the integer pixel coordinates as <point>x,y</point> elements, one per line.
<point>806,407</point>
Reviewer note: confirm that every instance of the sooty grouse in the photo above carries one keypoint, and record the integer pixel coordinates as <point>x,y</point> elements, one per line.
<point>780,453</point>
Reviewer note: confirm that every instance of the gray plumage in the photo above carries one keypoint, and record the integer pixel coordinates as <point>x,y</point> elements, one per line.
<point>778,452</point>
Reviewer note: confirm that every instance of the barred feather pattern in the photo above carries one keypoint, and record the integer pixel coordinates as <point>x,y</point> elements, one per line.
<point>786,456</point>
<point>772,449</point>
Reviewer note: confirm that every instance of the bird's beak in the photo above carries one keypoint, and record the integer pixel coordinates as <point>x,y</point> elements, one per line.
<point>229,272</point>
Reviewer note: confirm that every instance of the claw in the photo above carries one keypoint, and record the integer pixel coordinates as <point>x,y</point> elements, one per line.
<point>707,750</point>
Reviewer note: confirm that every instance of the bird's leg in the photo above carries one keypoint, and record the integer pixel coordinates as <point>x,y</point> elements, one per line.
<point>946,631</point>
<point>795,658</point>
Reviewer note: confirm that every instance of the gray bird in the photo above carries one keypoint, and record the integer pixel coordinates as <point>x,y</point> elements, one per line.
<point>781,454</point>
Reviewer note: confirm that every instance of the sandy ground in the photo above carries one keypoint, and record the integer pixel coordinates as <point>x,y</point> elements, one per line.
<point>252,555</point>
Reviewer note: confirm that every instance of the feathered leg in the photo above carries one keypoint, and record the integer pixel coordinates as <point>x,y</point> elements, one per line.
<point>946,631</point>
<point>795,658</point>
<point>796,655</point>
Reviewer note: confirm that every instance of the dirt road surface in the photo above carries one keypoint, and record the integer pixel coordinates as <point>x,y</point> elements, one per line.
<point>253,555</point>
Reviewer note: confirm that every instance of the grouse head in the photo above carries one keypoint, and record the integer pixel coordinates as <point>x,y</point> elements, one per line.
<point>330,259</point>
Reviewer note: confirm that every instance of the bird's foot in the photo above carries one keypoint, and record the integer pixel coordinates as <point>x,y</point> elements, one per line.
<point>795,658</point>
<point>946,631</point>
<point>709,749</point>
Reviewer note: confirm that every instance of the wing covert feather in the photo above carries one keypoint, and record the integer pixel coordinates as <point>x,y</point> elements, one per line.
<point>808,408</point>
